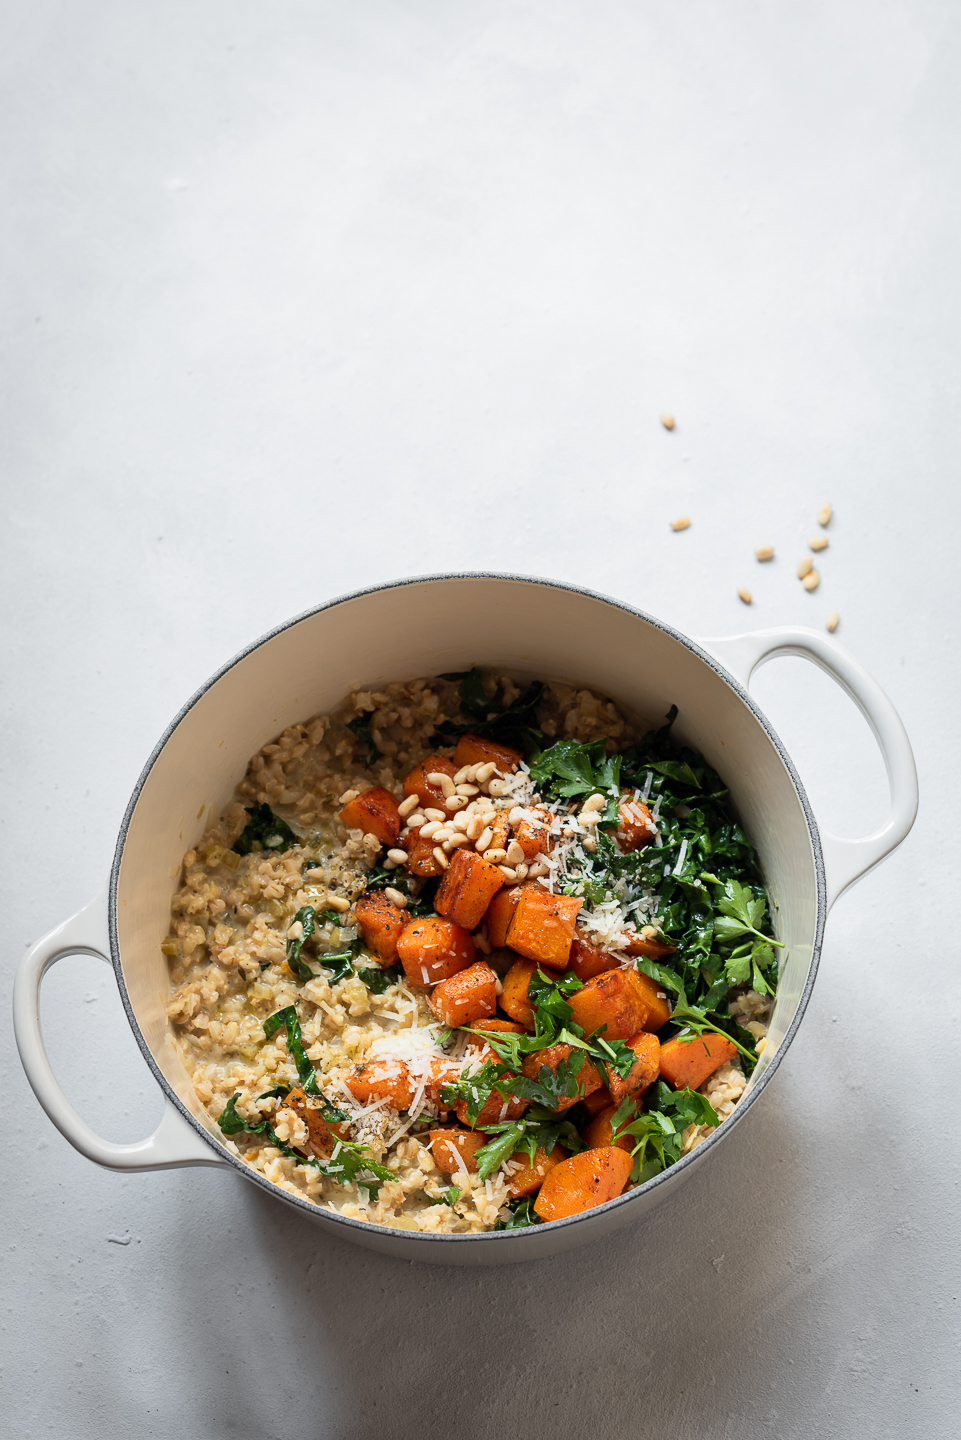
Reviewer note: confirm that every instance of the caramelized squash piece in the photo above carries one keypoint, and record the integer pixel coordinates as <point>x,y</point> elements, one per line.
<point>649,949</point>
<point>416,783</point>
<point>686,1063</point>
<point>500,913</point>
<point>468,887</point>
<point>376,813</point>
<point>381,923</point>
<point>475,750</point>
<point>513,999</point>
<point>658,1007</point>
<point>432,949</point>
<point>494,1110</point>
<point>586,960</point>
<point>449,1144</point>
<point>528,1178</point>
<point>502,1026</point>
<point>588,1076</point>
<point>647,1048</point>
<point>322,1134</point>
<point>469,996</point>
<point>612,1003</point>
<point>599,1132</point>
<point>441,1072</point>
<point>381,1079</point>
<point>534,836</point>
<point>420,855</point>
<point>542,927</point>
<point>597,1101</point>
<point>582,1182</point>
<point>636,827</point>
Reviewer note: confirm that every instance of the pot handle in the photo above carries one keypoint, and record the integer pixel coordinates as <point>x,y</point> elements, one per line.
<point>845,860</point>
<point>173,1143</point>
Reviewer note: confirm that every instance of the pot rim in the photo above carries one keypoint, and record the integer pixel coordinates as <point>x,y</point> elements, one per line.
<point>674,1171</point>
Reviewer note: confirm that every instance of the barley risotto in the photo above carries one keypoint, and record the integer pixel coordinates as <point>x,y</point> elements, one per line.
<point>465,955</point>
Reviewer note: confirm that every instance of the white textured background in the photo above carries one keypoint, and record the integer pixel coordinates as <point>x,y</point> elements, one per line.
<point>300,297</point>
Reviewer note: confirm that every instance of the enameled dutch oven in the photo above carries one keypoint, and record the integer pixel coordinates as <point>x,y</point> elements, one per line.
<point>424,627</point>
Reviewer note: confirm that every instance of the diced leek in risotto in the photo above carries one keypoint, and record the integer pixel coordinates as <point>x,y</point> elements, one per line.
<point>469,954</point>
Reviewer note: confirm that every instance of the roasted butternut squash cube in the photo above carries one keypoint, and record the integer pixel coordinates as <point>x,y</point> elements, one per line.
<point>381,923</point>
<point>433,949</point>
<point>524,1178</point>
<point>500,913</point>
<point>636,826</point>
<point>376,813</point>
<point>534,835</point>
<point>440,1072</point>
<point>599,1133</point>
<point>658,1006</point>
<point>587,960</point>
<point>468,886</point>
<point>382,1079</point>
<point>597,1101</point>
<point>687,1061</point>
<point>499,1026</point>
<point>454,1149</point>
<point>467,997</point>
<point>322,1134</point>
<point>475,750</point>
<point>513,999</point>
<point>421,860</point>
<point>648,949</point>
<point>611,1003</point>
<point>643,1073</point>
<point>431,796</point>
<point>582,1182</point>
<point>542,927</point>
<point>588,1075</point>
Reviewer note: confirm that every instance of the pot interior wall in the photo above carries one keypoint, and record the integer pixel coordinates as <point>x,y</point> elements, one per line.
<point>424,628</point>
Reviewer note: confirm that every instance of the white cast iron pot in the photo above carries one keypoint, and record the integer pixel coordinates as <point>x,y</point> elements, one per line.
<point>423,627</point>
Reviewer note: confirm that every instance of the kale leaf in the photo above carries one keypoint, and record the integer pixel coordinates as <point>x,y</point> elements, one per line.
<point>266,829</point>
<point>307,916</point>
<point>362,730</point>
<point>378,981</point>
<point>287,1019</point>
<point>349,1163</point>
<point>522,1215</point>
<point>514,724</point>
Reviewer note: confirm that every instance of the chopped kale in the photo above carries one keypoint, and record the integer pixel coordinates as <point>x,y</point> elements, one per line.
<point>287,1019</point>
<point>307,916</point>
<point>378,981</point>
<point>514,724</point>
<point>362,730</point>
<point>266,829</point>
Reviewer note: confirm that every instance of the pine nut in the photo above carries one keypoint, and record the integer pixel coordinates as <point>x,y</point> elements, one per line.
<point>589,843</point>
<point>648,932</point>
<point>765,552</point>
<point>437,777</point>
<point>508,874</point>
<point>467,790</point>
<point>536,871</point>
<point>399,857</point>
<point>667,421</point>
<point>440,857</point>
<point>494,856</point>
<point>482,942</point>
<point>390,865</point>
<point>461,775</point>
<point>436,814</point>
<point>517,815</point>
<point>462,821</point>
<point>594,802</point>
<point>589,817</point>
<point>824,515</point>
<point>455,802</point>
<point>406,807</point>
<point>681,523</point>
<point>498,788</point>
<point>475,827</point>
<point>760,1045</point>
<point>484,772</point>
<point>522,871</point>
<point>415,821</point>
<point>812,581</point>
<point>431,828</point>
<point>484,839</point>
<point>338,902</point>
<point>347,796</point>
<point>804,567</point>
<point>832,621</point>
<point>442,833</point>
<point>456,841</point>
<point>515,853</point>
<point>744,595</point>
<point>820,542</point>
<point>396,898</point>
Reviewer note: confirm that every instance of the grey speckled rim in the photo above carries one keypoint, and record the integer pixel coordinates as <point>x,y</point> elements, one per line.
<point>498,1237</point>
